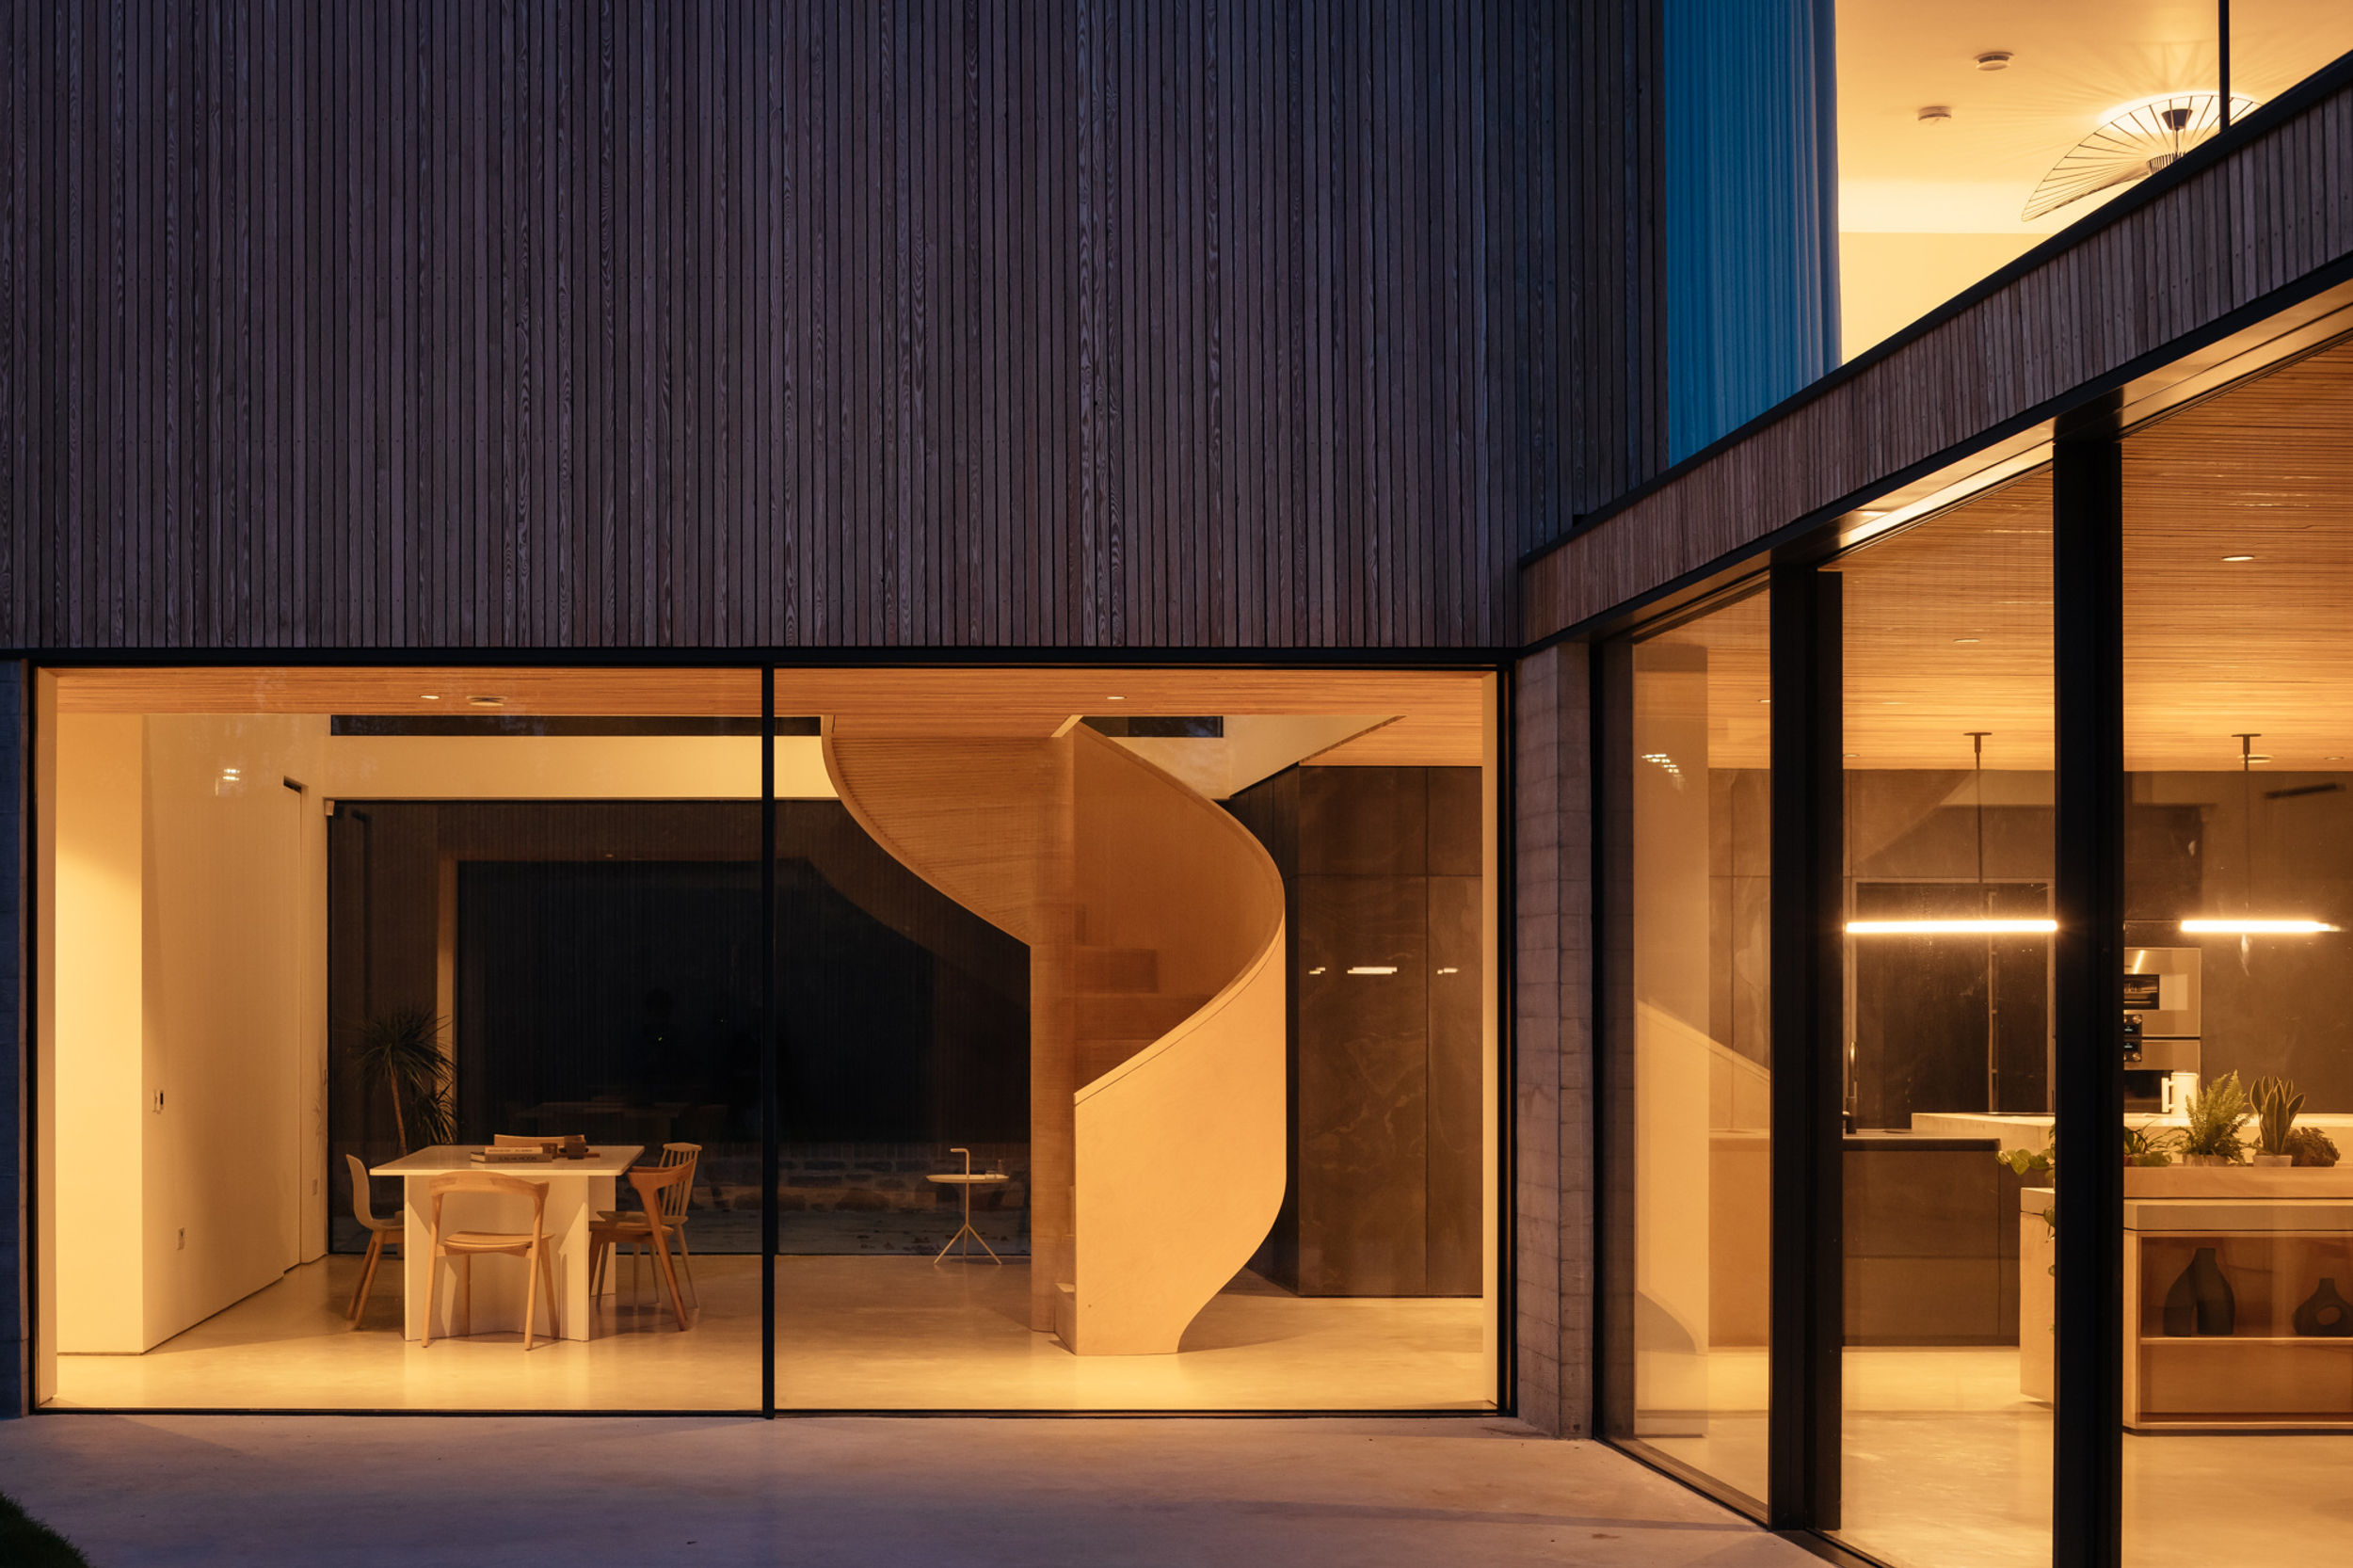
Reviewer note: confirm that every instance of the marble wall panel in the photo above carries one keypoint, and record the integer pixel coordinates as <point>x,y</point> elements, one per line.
<point>1363,1085</point>
<point>1455,1114</point>
<point>1363,821</point>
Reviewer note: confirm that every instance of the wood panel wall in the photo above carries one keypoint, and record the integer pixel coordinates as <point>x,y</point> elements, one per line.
<point>830,324</point>
<point>2266,222</point>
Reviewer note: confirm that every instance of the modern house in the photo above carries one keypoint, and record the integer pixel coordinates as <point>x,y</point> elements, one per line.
<point>1455,706</point>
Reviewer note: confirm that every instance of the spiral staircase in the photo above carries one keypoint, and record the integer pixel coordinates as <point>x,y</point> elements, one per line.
<point>1155,927</point>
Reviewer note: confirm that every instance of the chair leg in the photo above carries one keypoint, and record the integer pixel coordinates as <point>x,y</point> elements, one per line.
<point>661,1256</point>
<point>367,1271</point>
<point>547,1266</point>
<point>686,1256</point>
<point>531,1293</point>
<point>465,1317</point>
<point>367,1280</point>
<point>432,1278</point>
<point>596,1270</point>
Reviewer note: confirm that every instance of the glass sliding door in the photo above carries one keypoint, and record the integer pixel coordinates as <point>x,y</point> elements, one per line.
<point>1690,1072</point>
<point>315,943</point>
<point>1137,1042</point>
<point>2238,1070</point>
<point>1948,746</point>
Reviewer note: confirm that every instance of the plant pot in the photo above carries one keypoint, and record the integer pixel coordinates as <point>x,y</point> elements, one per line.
<point>2274,1159</point>
<point>2205,1160</point>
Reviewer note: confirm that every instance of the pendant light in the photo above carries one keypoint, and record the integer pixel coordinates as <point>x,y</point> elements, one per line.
<point>1985,923</point>
<point>2249,925</point>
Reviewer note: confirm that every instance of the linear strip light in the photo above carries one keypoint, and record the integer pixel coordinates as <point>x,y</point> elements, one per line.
<point>1374,968</point>
<point>1949,928</point>
<point>2257,928</point>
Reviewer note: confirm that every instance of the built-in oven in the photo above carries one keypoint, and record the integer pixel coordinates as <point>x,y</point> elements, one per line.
<point>2162,1021</point>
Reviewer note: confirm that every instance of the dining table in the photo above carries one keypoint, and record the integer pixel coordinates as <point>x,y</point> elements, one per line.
<point>578,1191</point>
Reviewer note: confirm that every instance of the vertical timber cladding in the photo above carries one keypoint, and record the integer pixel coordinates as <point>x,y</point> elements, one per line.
<point>836,323</point>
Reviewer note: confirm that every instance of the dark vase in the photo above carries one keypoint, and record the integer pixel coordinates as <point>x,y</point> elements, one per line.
<point>2201,1302</point>
<point>2326,1314</point>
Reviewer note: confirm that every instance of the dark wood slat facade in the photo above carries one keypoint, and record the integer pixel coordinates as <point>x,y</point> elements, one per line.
<point>1221,323</point>
<point>2265,224</point>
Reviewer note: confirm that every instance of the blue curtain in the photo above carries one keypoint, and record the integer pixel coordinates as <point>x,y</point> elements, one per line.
<point>1752,217</point>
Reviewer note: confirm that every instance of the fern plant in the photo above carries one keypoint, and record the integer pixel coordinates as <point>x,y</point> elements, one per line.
<point>2215,1120</point>
<point>2276,1103</point>
<point>404,1048</point>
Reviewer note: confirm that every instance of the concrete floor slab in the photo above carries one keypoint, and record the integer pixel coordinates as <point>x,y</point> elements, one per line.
<point>160,1492</point>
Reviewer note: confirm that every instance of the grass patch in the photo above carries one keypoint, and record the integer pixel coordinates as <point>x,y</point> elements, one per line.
<point>26,1543</point>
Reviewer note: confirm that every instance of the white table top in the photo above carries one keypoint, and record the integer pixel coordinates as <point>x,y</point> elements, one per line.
<point>604,1159</point>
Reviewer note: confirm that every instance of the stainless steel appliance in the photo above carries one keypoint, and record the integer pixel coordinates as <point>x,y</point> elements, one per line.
<point>2162,1020</point>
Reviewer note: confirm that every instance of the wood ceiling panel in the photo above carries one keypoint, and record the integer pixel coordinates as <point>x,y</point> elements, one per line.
<point>1438,714</point>
<point>418,689</point>
<point>1949,624</point>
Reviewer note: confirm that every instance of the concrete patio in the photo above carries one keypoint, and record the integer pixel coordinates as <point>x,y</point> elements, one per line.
<point>146,1492</point>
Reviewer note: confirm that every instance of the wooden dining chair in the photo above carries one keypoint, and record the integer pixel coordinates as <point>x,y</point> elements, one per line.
<point>466,1245</point>
<point>364,1211</point>
<point>654,1185</point>
<point>674,1205</point>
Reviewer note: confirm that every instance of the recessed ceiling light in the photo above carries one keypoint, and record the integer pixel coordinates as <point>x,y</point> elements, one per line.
<point>428,697</point>
<point>1764,699</point>
<point>2238,557</point>
<point>1966,639</point>
<point>1854,754</point>
<point>1891,702</point>
<point>1993,60</point>
<point>487,701</point>
<point>1114,699</point>
<point>1936,114</point>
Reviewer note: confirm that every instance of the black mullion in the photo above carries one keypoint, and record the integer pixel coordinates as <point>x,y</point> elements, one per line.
<point>768,1152</point>
<point>1802,1456</point>
<point>2088,603</point>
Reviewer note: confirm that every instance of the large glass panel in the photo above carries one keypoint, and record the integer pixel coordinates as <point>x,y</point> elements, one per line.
<point>2238,1242</point>
<point>1967,136</point>
<point>1693,1066</point>
<point>314,941</point>
<point>1947,717</point>
<point>1138,1040</point>
<point>2276,44</point>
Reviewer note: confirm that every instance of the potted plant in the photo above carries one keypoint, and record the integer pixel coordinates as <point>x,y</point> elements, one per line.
<point>404,1048</point>
<point>2276,1103</point>
<point>2211,1137</point>
<point>2148,1146</point>
<point>2309,1146</point>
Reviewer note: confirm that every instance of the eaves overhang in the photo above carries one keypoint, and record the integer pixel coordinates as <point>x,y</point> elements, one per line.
<point>2239,256</point>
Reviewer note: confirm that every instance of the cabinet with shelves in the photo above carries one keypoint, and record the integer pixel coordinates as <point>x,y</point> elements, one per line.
<point>2263,1375</point>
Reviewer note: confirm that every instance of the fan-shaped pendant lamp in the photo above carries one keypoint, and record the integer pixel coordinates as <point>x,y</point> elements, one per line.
<point>2132,146</point>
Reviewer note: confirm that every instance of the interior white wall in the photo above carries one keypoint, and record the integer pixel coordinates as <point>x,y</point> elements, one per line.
<point>235,957</point>
<point>92,1059</point>
<point>569,767</point>
<point>184,1017</point>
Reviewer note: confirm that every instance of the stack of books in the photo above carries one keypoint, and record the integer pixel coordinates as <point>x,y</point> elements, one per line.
<point>526,1153</point>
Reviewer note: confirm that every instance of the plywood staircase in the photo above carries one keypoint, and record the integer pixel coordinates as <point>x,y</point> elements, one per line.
<point>1155,925</point>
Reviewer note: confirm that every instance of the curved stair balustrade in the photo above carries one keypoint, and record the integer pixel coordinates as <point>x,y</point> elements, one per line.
<point>1154,925</point>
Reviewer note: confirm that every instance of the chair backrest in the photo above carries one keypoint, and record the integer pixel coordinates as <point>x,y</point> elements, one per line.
<point>654,1185</point>
<point>675,1199</point>
<point>488,1181</point>
<point>361,1209</point>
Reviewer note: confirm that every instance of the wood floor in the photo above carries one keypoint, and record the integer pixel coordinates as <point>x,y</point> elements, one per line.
<point>854,1333</point>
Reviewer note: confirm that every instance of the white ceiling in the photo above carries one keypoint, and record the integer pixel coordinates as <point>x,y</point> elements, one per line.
<point>2076,64</point>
